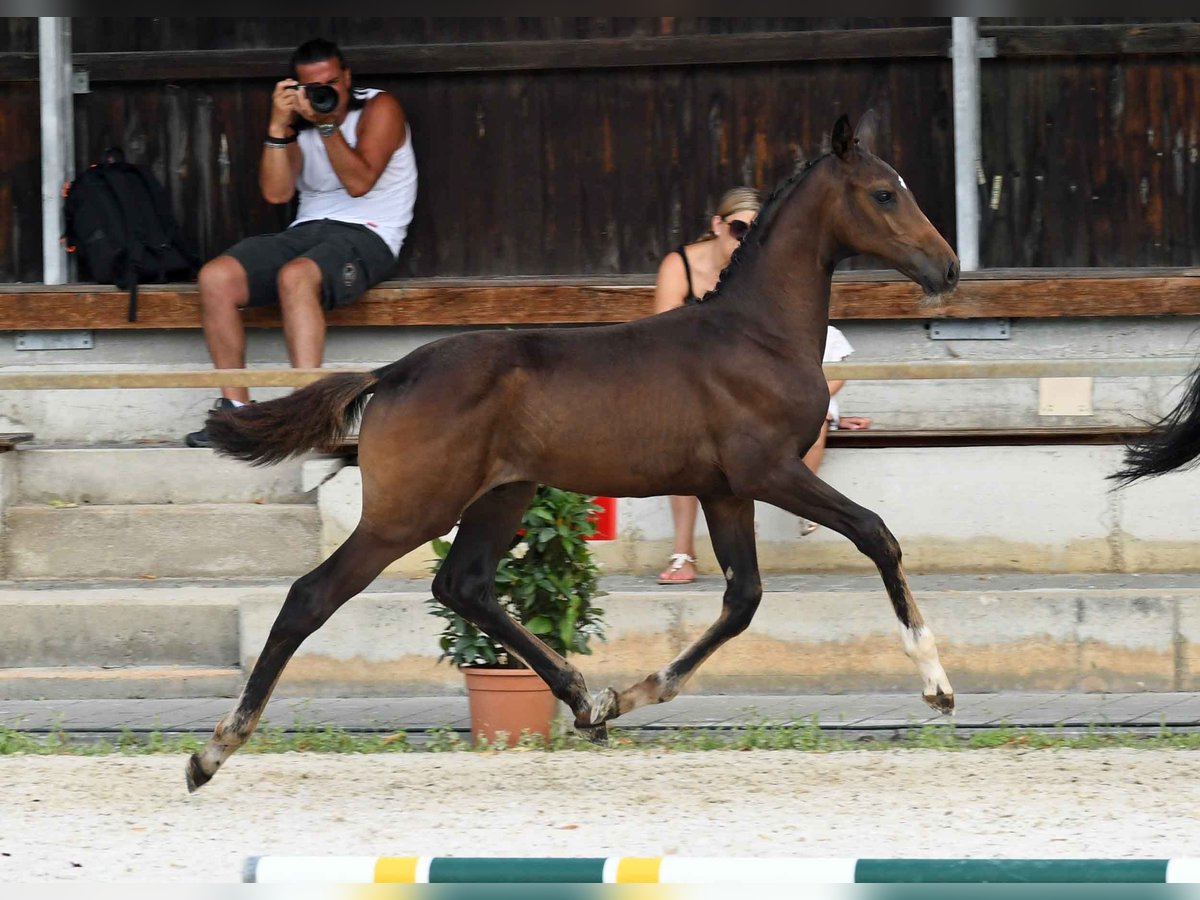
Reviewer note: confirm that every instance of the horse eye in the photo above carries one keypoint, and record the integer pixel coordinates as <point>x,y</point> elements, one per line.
<point>884,196</point>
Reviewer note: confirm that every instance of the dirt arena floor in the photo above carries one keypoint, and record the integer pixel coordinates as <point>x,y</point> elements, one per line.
<point>120,818</point>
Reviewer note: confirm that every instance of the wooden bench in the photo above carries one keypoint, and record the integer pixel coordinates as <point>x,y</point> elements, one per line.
<point>456,302</point>
<point>453,302</point>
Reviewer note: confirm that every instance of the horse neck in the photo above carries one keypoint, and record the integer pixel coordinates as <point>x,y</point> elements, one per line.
<point>788,287</point>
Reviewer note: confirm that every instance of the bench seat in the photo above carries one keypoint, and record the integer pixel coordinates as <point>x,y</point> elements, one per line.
<point>563,300</point>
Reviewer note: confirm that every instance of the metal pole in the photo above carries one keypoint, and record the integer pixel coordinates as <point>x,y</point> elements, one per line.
<point>964,53</point>
<point>58,138</point>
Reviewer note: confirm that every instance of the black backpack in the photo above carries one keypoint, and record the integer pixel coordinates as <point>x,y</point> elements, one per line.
<point>119,222</point>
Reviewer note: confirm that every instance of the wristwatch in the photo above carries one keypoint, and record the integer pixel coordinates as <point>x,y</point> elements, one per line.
<point>327,128</point>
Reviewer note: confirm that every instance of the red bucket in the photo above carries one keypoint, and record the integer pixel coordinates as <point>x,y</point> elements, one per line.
<point>605,519</point>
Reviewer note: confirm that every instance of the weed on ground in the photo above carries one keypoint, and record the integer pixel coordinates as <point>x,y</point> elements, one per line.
<point>807,736</point>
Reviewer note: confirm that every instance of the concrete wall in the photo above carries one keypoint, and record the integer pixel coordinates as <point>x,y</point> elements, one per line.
<point>990,638</point>
<point>165,415</point>
<point>968,509</point>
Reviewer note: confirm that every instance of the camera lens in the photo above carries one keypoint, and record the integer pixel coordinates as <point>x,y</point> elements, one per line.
<point>322,97</point>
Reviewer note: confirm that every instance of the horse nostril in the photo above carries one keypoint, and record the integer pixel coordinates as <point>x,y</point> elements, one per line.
<point>952,273</point>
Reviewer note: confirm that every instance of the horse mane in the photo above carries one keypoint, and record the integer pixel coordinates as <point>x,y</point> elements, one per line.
<point>761,229</point>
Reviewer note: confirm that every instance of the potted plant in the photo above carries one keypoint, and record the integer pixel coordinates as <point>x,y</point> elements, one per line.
<point>547,581</point>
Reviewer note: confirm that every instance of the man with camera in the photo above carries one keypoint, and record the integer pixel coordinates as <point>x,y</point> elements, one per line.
<point>348,154</point>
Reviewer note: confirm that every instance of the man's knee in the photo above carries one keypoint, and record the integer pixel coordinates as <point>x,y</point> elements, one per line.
<point>298,279</point>
<point>223,281</point>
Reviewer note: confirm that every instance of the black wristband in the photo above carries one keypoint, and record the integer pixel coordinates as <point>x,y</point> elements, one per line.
<point>281,142</point>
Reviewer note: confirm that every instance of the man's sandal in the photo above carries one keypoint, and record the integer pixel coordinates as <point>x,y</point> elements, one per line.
<point>674,572</point>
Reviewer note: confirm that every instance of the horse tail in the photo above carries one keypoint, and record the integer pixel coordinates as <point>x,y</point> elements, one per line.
<point>1173,443</point>
<point>314,417</point>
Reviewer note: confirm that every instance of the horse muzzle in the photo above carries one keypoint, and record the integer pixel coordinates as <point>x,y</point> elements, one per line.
<point>936,277</point>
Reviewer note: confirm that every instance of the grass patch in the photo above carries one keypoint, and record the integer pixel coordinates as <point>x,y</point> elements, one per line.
<point>806,736</point>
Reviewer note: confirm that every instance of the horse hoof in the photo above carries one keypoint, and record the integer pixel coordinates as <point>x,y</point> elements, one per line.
<point>596,734</point>
<point>604,706</point>
<point>196,776</point>
<point>941,701</point>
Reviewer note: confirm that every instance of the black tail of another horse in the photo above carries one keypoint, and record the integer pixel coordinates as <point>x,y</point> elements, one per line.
<point>1173,443</point>
<point>315,417</point>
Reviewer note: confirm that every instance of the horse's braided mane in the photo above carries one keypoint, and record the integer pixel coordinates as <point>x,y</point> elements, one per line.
<point>761,228</point>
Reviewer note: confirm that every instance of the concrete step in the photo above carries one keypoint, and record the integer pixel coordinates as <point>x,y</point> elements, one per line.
<point>111,627</point>
<point>161,540</point>
<point>818,637</point>
<point>124,683</point>
<point>156,475</point>
<point>812,634</point>
<point>954,509</point>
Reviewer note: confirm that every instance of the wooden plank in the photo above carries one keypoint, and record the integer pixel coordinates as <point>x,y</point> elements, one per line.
<point>40,378</point>
<point>65,380</point>
<point>177,306</point>
<point>1012,41</point>
<point>951,437</point>
<point>20,184</point>
<point>512,55</point>
<point>987,437</point>
<point>529,301</point>
<point>1115,39</point>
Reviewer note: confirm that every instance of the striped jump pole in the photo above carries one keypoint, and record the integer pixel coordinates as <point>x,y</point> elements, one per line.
<point>685,870</point>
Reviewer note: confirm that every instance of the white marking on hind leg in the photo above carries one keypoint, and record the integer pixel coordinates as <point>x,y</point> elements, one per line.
<point>226,739</point>
<point>921,648</point>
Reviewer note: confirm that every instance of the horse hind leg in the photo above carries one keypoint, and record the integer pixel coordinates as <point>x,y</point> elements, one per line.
<point>802,493</point>
<point>873,538</point>
<point>466,582</point>
<point>731,528</point>
<point>312,599</point>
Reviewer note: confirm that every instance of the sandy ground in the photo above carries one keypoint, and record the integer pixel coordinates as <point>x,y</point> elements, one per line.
<point>130,819</point>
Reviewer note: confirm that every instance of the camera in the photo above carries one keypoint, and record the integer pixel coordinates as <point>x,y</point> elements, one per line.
<point>322,97</point>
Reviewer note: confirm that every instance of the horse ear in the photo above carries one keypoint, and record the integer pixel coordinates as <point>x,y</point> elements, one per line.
<point>864,131</point>
<point>841,140</point>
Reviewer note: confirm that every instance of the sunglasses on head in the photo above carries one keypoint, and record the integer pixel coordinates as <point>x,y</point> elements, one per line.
<point>737,228</point>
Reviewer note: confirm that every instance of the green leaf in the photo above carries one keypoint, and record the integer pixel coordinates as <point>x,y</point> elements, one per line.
<point>550,589</point>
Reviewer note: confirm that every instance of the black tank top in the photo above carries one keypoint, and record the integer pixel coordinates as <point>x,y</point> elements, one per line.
<point>691,297</point>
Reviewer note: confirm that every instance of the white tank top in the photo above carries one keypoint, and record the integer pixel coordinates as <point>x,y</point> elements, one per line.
<point>386,209</point>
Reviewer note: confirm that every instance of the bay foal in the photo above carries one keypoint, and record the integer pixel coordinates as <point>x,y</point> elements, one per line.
<point>463,429</point>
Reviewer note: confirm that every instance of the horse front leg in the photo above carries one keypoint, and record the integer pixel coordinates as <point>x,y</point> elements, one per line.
<point>731,527</point>
<point>795,488</point>
<point>466,583</point>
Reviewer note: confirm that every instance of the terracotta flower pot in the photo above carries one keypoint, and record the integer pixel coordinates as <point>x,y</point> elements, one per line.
<point>510,700</point>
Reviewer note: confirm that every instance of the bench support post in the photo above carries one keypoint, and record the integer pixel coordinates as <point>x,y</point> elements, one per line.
<point>58,138</point>
<point>965,56</point>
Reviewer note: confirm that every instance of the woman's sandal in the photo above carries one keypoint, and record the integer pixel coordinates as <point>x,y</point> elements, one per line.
<point>674,572</point>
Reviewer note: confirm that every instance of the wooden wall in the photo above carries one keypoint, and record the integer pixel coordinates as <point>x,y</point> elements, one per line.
<point>592,146</point>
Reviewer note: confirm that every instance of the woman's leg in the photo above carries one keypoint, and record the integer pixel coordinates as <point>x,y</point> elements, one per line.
<point>816,452</point>
<point>682,569</point>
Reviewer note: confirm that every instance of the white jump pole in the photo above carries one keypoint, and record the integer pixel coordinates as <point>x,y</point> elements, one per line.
<point>58,138</point>
<point>964,53</point>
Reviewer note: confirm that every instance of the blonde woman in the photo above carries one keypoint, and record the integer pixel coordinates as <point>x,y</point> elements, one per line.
<point>685,275</point>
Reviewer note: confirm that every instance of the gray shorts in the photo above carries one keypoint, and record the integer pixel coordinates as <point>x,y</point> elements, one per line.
<point>351,258</point>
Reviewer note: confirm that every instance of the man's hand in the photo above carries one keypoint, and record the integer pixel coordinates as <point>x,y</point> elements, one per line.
<point>284,106</point>
<point>280,164</point>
